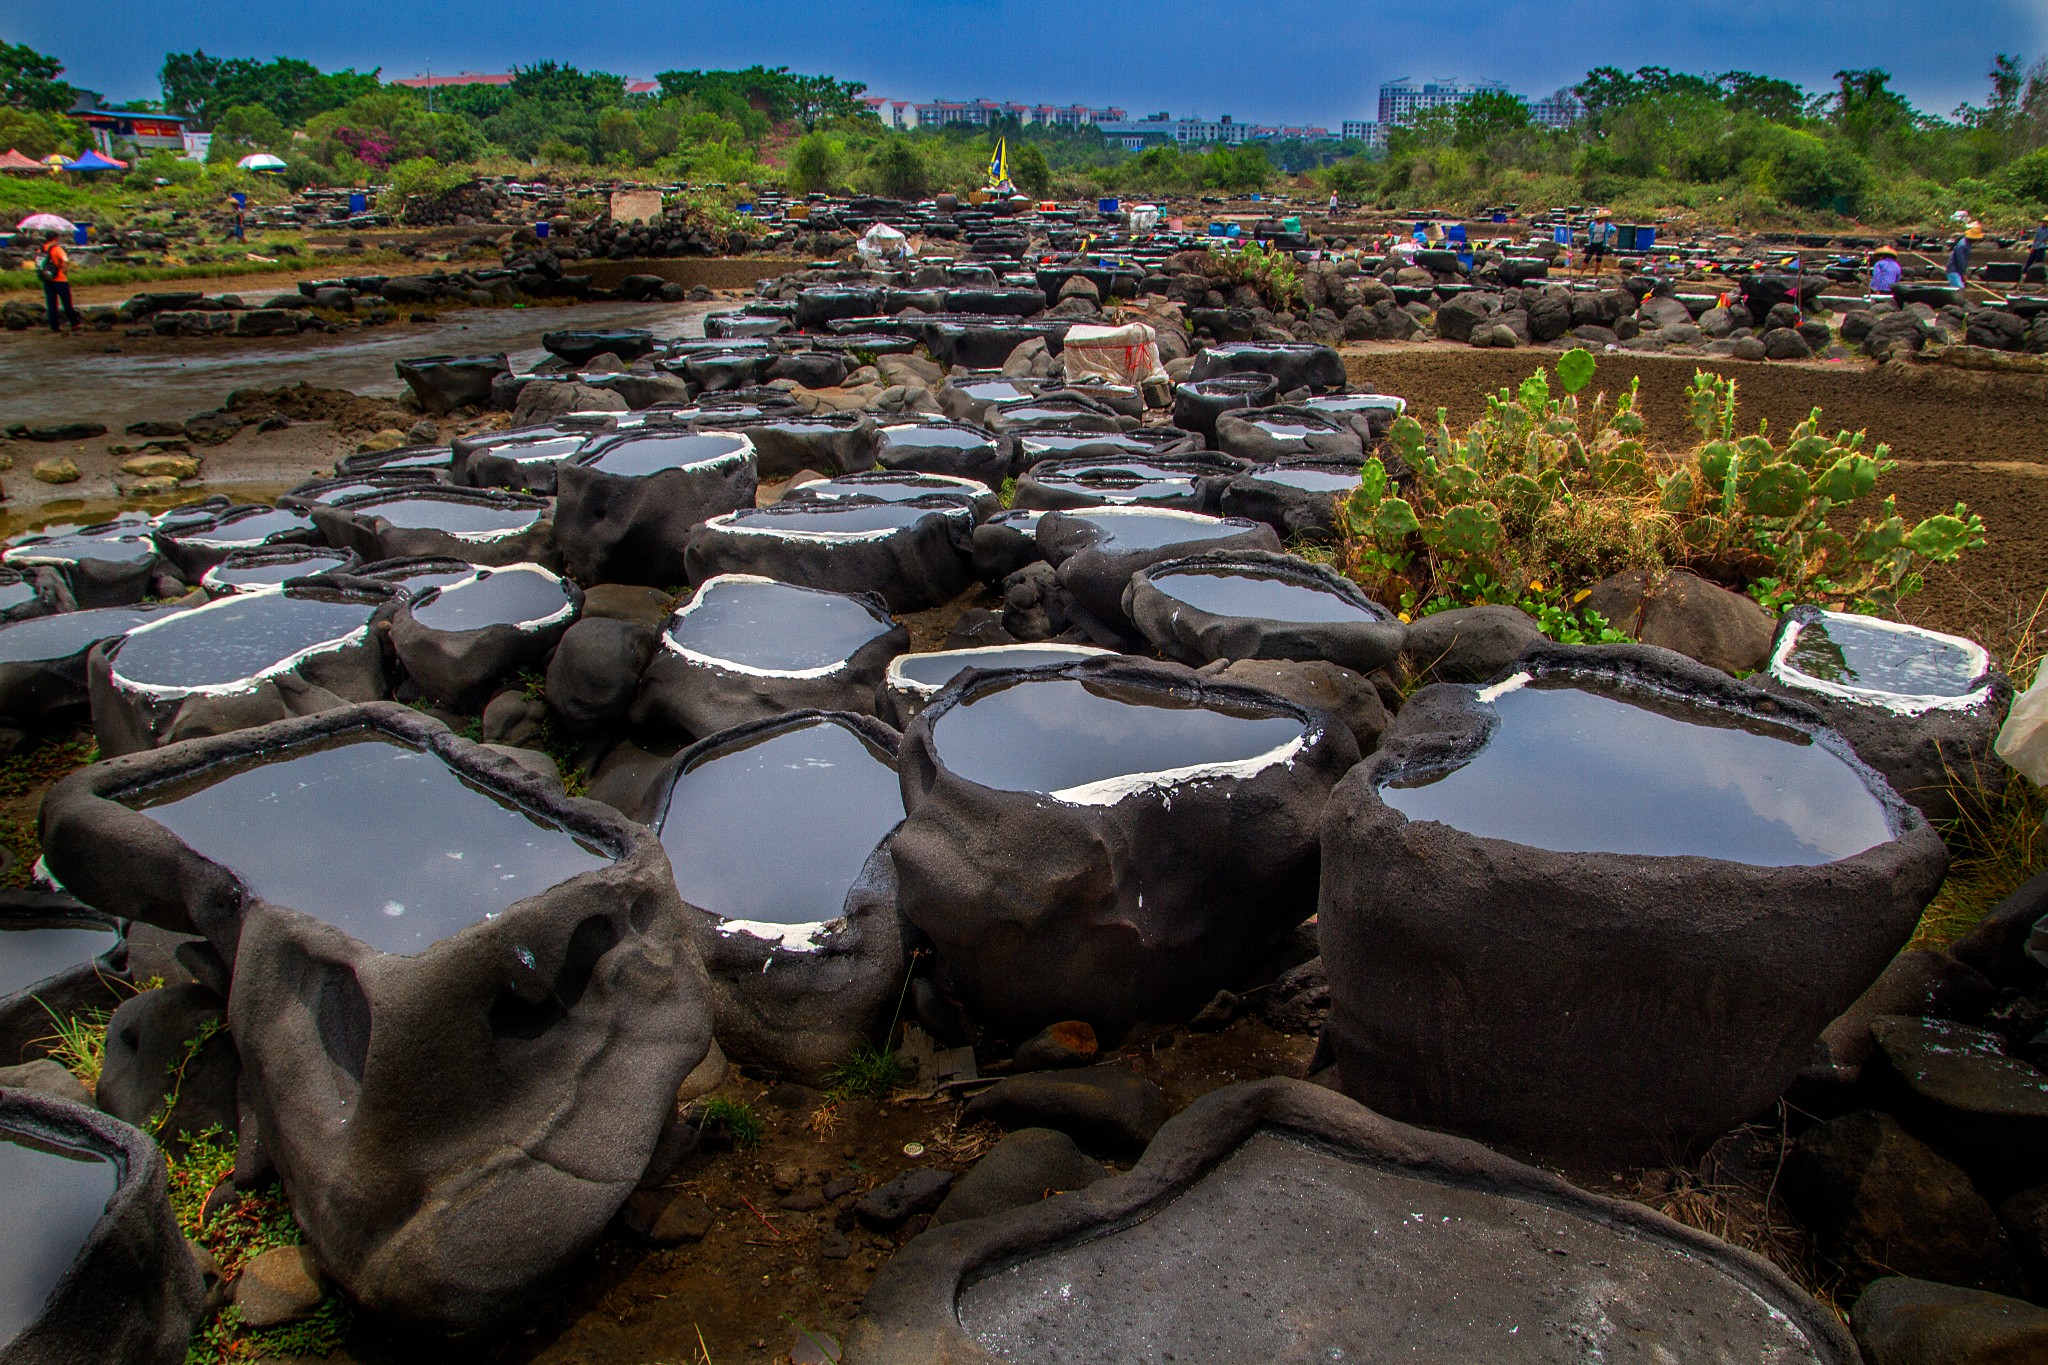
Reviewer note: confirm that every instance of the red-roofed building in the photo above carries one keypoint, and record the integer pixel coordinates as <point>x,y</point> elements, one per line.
<point>459,78</point>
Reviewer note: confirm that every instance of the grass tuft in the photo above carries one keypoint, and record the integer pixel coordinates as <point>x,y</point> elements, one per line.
<point>79,1044</point>
<point>868,1074</point>
<point>736,1119</point>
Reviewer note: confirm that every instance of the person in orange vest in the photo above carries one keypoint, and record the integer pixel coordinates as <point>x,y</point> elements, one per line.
<point>53,269</point>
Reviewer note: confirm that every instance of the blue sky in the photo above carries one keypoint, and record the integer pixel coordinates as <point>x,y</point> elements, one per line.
<point>1265,60</point>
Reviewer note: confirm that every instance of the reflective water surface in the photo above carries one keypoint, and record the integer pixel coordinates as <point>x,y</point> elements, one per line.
<point>1576,770</point>
<point>1056,734</point>
<point>777,627</point>
<point>1841,649</point>
<point>426,851</point>
<point>31,954</point>
<point>73,632</point>
<point>775,829</point>
<point>509,596</point>
<point>235,638</point>
<point>1262,596</point>
<point>50,1198</point>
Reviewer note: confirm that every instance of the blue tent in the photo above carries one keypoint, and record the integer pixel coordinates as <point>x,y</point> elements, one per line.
<point>93,161</point>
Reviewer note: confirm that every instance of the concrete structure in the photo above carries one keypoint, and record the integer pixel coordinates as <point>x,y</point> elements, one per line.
<point>1559,110</point>
<point>124,132</point>
<point>1402,100</point>
<point>429,81</point>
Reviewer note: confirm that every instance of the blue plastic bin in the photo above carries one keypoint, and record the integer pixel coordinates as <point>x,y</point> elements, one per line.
<point>1646,237</point>
<point>1108,205</point>
<point>540,229</point>
<point>358,203</point>
<point>81,232</point>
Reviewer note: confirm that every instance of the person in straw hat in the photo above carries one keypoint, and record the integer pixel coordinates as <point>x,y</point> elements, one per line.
<point>1599,237</point>
<point>1884,270</point>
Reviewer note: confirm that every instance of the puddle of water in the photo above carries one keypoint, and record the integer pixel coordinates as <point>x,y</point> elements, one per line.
<point>1126,530</point>
<point>428,852</point>
<point>933,671</point>
<point>417,576</point>
<point>50,1198</point>
<point>532,447</point>
<point>29,955</point>
<point>520,595</point>
<point>1357,402</point>
<point>235,638</point>
<point>993,391</point>
<point>1046,443</point>
<point>270,571</point>
<point>895,440</point>
<point>1859,654</point>
<point>250,528</point>
<point>1578,770</point>
<point>1064,737</point>
<point>1120,481</point>
<point>1309,480</point>
<point>774,829</point>
<point>640,456</point>
<point>1262,596</point>
<point>44,638</point>
<point>458,516</point>
<point>816,519</point>
<point>774,627</point>
<point>17,593</point>
<point>891,487</point>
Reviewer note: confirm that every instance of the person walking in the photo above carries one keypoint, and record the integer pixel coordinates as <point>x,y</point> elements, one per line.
<point>53,268</point>
<point>2037,250</point>
<point>1884,271</point>
<point>1959,255</point>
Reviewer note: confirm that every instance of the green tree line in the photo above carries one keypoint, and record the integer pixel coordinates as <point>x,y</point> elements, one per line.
<point>1734,145</point>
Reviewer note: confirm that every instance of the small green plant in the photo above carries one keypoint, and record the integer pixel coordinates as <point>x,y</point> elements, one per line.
<point>79,1044</point>
<point>1007,494</point>
<point>175,1074</point>
<point>736,1119</point>
<point>1270,271</point>
<point>869,1073</point>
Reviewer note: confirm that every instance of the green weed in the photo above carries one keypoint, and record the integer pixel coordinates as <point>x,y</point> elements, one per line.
<point>736,1119</point>
<point>868,1074</point>
<point>226,1339</point>
<point>79,1044</point>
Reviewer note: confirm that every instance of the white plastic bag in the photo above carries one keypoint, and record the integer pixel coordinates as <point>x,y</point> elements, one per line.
<point>1126,355</point>
<point>882,245</point>
<point>2023,742</point>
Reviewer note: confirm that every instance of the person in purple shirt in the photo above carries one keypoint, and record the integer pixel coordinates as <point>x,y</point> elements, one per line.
<point>1884,270</point>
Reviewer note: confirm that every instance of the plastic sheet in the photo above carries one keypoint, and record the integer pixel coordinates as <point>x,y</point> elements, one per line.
<point>882,244</point>
<point>2023,742</point>
<point>1126,355</point>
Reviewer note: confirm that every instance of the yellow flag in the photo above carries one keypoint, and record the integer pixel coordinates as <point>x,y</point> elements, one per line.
<point>999,164</point>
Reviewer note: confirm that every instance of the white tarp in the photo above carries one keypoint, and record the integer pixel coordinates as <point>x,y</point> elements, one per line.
<point>1142,217</point>
<point>1127,355</point>
<point>882,244</point>
<point>2023,742</point>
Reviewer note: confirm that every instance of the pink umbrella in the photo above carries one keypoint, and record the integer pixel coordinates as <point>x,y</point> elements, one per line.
<point>45,222</point>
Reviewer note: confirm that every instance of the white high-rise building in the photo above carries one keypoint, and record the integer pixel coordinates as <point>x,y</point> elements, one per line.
<point>1402,100</point>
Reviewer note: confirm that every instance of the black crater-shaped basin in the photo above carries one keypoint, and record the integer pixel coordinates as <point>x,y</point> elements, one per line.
<point>1190,483</point>
<point>771,831</point>
<point>43,639</point>
<point>430,852</point>
<point>757,625</point>
<point>1268,1256</point>
<point>353,486</point>
<point>228,643</point>
<point>890,486</point>
<point>959,449</point>
<point>427,459</point>
<point>524,595</point>
<point>51,1197</point>
<point>123,547</point>
<point>1090,744</point>
<point>268,567</point>
<point>415,577</point>
<point>1862,658</point>
<point>1260,596</point>
<point>897,441</point>
<point>33,953</point>
<point>928,673</point>
<point>1582,769</point>
<point>643,455</point>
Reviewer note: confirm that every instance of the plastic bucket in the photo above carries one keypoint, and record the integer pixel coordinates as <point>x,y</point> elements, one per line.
<point>541,229</point>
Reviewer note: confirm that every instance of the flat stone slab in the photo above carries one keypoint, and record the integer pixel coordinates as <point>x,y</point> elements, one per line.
<point>1278,1222</point>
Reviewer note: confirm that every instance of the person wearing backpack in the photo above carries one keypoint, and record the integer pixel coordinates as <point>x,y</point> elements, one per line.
<point>53,269</point>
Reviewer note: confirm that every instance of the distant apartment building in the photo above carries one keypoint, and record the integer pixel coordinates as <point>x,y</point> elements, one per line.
<point>1560,110</point>
<point>1373,134</point>
<point>1164,130</point>
<point>982,113</point>
<point>1402,100</point>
